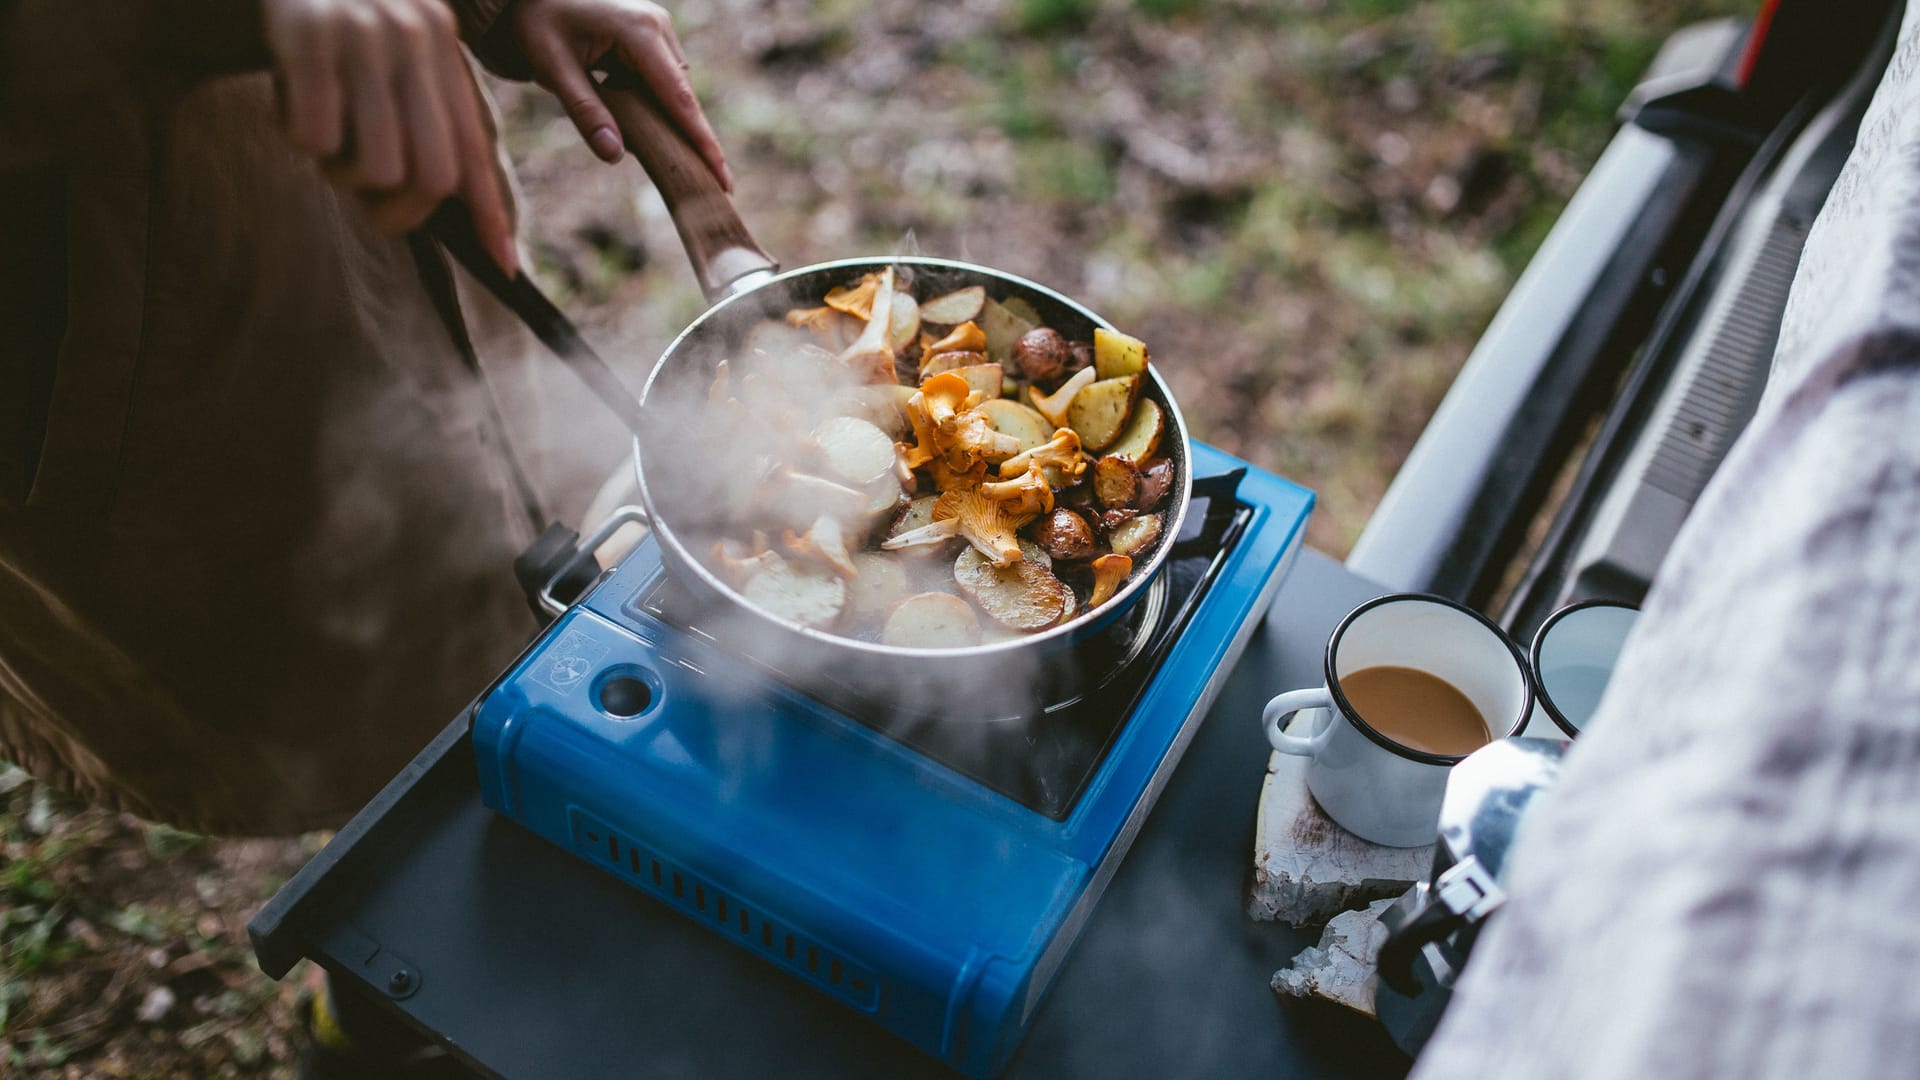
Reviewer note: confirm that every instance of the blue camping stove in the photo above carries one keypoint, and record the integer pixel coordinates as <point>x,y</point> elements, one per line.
<point>933,877</point>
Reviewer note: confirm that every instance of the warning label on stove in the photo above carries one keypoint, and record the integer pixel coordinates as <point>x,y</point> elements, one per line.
<point>568,663</point>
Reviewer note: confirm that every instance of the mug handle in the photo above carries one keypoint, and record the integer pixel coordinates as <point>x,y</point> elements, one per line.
<point>1274,716</point>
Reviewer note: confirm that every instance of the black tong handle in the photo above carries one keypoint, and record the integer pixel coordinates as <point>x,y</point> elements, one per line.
<point>452,225</point>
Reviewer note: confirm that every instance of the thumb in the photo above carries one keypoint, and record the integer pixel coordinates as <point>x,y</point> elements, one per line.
<point>562,72</point>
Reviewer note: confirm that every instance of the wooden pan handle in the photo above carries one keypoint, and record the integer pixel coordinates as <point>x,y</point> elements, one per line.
<point>717,241</point>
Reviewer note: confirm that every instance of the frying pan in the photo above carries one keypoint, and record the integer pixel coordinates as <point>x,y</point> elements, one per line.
<point>744,287</point>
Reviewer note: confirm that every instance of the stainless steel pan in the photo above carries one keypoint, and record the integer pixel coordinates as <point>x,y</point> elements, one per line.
<point>744,286</point>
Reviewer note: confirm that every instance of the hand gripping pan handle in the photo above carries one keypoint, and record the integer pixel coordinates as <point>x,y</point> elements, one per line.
<point>721,250</point>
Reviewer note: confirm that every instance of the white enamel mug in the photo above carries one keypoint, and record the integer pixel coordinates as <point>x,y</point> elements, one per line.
<point>1573,657</point>
<point>1369,784</point>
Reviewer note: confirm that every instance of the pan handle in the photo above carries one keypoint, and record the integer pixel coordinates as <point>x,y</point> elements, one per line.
<point>726,258</point>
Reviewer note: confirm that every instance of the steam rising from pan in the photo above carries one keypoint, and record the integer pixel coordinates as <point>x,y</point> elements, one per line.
<point>689,504</point>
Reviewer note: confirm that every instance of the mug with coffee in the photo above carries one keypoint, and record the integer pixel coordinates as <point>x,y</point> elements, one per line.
<point>1414,684</point>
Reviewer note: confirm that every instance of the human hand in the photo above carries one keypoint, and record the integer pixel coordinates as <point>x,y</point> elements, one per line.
<point>380,92</point>
<point>564,39</point>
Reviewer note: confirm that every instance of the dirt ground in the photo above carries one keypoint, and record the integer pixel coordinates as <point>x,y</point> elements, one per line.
<point>1308,210</point>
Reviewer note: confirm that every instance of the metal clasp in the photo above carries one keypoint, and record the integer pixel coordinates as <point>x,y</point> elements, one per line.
<point>551,603</point>
<point>1468,890</point>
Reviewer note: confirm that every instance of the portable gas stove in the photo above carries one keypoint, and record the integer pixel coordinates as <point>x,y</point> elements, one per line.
<point>932,875</point>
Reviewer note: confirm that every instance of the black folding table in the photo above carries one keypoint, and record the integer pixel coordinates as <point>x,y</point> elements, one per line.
<point>527,962</point>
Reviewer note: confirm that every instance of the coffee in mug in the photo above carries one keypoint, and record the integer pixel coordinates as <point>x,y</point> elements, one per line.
<point>1416,709</point>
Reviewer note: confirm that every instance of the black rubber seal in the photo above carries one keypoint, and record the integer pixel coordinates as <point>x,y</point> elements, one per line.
<point>1533,660</point>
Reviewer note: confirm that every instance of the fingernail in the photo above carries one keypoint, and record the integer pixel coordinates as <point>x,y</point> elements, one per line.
<point>726,176</point>
<point>605,142</point>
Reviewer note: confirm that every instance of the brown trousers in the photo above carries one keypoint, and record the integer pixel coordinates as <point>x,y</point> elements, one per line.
<point>256,514</point>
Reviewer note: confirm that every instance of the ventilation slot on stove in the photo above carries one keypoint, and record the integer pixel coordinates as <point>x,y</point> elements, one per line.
<point>727,914</point>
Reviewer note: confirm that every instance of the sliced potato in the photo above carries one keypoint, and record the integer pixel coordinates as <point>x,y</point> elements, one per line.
<point>1017,420</point>
<point>1116,481</point>
<point>886,408</point>
<point>1141,437</point>
<point>1034,553</point>
<point>939,363</point>
<point>932,620</point>
<point>1024,596</point>
<point>918,514</point>
<point>776,339</point>
<point>1003,328</point>
<point>854,450</point>
<point>1116,354</point>
<point>1135,535</point>
<point>799,593</point>
<point>881,582</point>
<point>1020,309</point>
<point>958,306</point>
<point>905,321</point>
<point>985,379</point>
<point>883,498</point>
<point>1101,410</point>
<point>794,498</point>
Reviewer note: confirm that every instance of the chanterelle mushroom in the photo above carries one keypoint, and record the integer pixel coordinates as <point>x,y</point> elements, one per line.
<point>1028,494</point>
<point>987,523</point>
<point>1062,452</point>
<point>1109,572</point>
<point>969,437</point>
<point>937,399</point>
<point>967,337</point>
<point>823,541</point>
<point>739,562</point>
<point>857,299</point>
<point>947,422</point>
<point>1054,406</point>
<point>938,532</point>
<point>871,354</point>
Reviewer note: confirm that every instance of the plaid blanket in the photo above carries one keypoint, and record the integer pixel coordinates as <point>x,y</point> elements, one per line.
<point>1724,883</point>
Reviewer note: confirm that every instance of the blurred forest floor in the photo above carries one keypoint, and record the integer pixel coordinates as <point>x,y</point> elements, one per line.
<point>1308,209</point>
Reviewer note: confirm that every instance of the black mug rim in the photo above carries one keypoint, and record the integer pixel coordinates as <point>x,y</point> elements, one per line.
<point>1352,715</point>
<point>1567,727</point>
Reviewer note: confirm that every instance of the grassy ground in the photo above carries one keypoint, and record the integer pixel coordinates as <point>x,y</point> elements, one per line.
<point>1308,209</point>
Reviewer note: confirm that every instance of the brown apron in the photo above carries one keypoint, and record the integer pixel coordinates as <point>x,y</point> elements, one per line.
<point>256,517</point>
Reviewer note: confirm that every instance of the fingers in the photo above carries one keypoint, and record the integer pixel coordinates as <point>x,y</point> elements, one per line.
<point>562,72</point>
<point>432,163</point>
<point>482,185</point>
<point>449,147</point>
<point>379,156</point>
<point>380,92</point>
<point>652,50</point>
<point>310,78</point>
